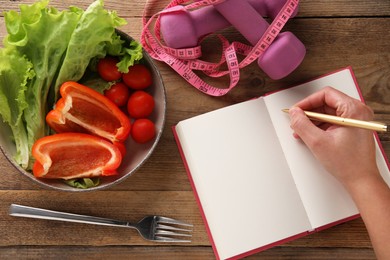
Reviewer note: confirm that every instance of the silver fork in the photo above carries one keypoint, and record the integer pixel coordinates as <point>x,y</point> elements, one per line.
<point>152,228</point>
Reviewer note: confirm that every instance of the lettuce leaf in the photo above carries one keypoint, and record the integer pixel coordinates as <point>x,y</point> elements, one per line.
<point>94,32</point>
<point>56,46</point>
<point>83,183</point>
<point>130,56</point>
<point>41,35</point>
<point>15,71</point>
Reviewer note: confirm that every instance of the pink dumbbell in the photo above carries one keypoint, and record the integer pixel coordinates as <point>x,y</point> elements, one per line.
<point>182,29</point>
<point>282,56</point>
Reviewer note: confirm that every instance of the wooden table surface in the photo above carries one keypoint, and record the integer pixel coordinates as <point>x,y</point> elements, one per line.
<point>336,33</point>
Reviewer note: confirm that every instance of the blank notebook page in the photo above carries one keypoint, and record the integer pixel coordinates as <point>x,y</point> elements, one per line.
<point>324,197</point>
<point>241,177</point>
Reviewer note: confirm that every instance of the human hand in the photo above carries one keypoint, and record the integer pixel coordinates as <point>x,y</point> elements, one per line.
<point>346,152</point>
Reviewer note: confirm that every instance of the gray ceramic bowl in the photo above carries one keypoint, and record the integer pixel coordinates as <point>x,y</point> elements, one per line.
<point>136,154</point>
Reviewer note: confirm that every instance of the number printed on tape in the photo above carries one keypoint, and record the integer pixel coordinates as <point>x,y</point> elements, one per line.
<point>184,61</point>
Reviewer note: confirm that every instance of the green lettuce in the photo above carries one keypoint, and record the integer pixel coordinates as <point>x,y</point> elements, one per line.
<point>15,71</point>
<point>83,183</point>
<point>89,40</point>
<point>129,54</point>
<point>44,48</point>
<point>40,34</point>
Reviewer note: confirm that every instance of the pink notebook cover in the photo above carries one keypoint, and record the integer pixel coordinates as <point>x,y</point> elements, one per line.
<point>287,239</point>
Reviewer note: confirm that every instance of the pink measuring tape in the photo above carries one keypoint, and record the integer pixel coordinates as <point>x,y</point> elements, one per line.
<point>186,60</point>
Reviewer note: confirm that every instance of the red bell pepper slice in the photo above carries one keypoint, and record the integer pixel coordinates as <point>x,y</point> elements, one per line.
<point>84,110</point>
<point>74,155</point>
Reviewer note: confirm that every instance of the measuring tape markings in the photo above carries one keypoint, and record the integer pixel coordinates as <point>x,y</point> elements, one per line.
<point>182,68</point>
<point>154,47</point>
<point>185,60</point>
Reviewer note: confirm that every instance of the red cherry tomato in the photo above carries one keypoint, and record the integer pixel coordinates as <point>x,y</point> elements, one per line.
<point>108,70</point>
<point>140,104</point>
<point>118,93</point>
<point>138,77</point>
<point>143,130</point>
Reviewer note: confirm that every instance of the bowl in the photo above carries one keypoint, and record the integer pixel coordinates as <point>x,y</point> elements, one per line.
<point>136,154</point>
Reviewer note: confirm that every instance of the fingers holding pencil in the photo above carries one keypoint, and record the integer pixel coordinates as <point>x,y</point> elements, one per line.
<point>341,149</point>
<point>302,125</point>
<point>333,102</point>
<point>328,109</point>
<point>336,120</point>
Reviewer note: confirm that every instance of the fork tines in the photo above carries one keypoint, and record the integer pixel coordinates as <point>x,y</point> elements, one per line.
<point>171,230</point>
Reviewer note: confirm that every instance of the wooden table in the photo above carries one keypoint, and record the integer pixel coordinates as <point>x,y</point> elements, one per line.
<point>336,33</point>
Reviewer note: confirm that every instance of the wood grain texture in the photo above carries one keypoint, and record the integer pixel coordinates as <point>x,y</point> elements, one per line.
<point>169,253</point>
<point>336,33</point>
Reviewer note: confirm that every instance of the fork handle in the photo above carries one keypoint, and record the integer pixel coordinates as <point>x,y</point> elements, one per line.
<point>31,212</point>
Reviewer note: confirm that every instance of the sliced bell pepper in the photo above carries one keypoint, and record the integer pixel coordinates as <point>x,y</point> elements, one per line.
<point>84,110</point>
<point>74,155</point>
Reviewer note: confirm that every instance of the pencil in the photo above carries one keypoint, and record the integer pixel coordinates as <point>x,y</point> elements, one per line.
<point>370,125</point>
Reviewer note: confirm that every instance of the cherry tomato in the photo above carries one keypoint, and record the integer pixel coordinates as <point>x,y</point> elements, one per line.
<point>140,104</point>
<point>118,93</point>
<point>143,130</point>
<point>138,77</point>
<point>108,70</point>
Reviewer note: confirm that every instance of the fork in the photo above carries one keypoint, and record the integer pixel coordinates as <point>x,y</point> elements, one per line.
<point>152,228</point>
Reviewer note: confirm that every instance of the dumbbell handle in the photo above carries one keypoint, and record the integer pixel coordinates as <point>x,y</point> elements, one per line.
<point>208,20</point>
<point>244,18</point>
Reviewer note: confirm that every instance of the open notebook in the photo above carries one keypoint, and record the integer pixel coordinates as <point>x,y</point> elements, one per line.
<point>256,185</point>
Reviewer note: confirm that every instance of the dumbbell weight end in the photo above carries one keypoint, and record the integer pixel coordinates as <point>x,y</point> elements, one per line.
<point>183,29</point>
<point>283,56</point>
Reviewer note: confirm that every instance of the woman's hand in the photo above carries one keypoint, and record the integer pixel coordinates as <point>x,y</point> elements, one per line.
<point>349,154</point>
<point>346,152</point>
